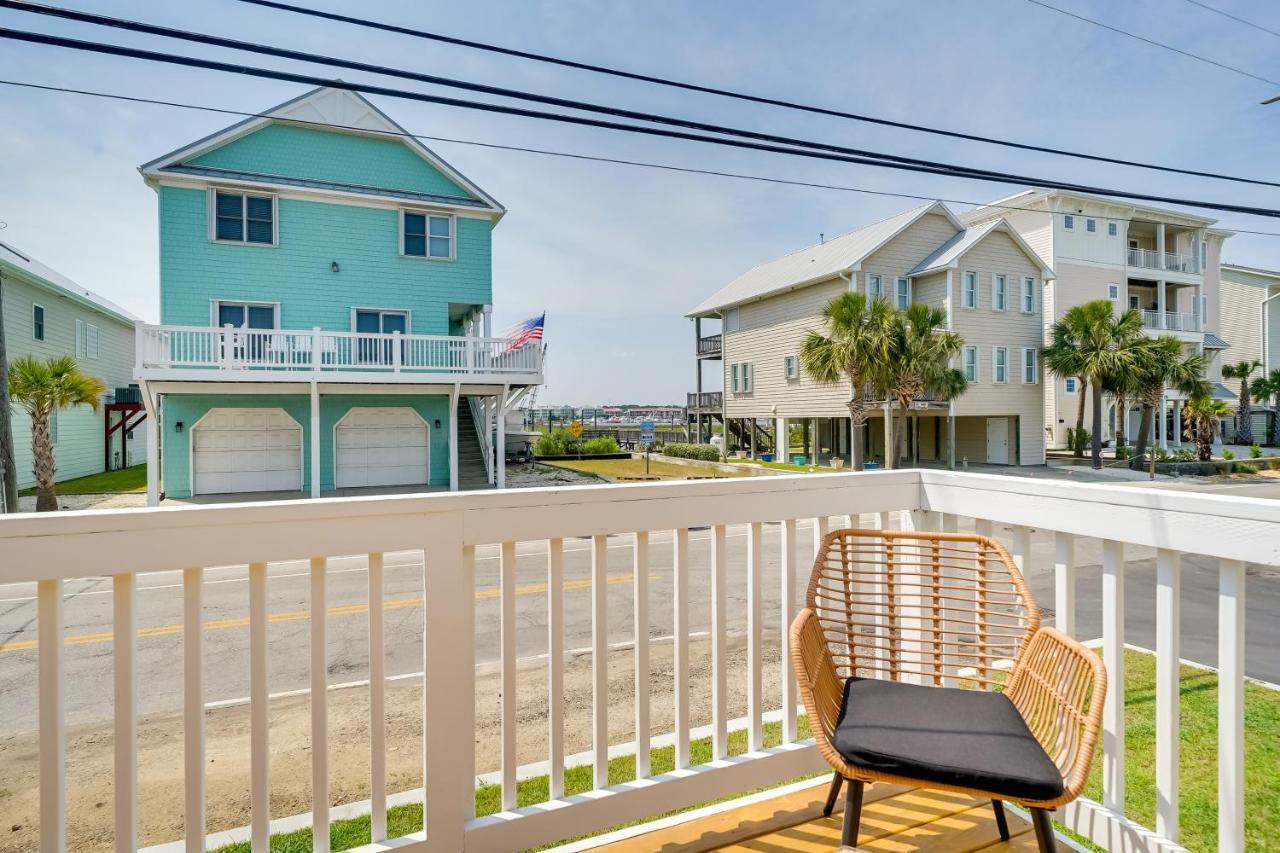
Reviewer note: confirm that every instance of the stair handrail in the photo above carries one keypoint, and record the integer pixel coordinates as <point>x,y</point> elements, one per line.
<point>482,433</point>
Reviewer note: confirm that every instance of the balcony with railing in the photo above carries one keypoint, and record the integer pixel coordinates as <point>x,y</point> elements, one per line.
<point>192,353</point>
<point>1175,262</point>
<point>710,346</point>
<point>1171,321</point>
<point>706,401</point>
<point>675,599</point>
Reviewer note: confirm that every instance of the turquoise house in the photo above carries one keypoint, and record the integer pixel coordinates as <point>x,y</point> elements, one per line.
<point>326,293</point>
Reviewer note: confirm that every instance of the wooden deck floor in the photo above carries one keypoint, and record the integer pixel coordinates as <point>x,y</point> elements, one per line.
<point>893,819</point>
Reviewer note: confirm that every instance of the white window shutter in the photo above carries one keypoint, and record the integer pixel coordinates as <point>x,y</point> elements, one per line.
<point>79,338</point>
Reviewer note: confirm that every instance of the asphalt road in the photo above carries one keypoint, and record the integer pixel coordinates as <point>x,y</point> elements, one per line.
<point>88,617</point>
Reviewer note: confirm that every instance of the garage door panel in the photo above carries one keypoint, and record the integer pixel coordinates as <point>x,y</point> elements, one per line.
<point>246,450</point>
<point>381,447</point>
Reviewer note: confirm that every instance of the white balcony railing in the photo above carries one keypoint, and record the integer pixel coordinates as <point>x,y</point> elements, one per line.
<point>779,519</point>
<point>1150,259</point>
<point>184,348</point>
<point>1174,321</point>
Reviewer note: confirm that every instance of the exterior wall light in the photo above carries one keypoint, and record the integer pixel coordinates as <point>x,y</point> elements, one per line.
<point>333,265</point>
<point>177,427</point>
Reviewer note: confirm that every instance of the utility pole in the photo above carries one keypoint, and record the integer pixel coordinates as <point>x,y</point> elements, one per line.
<point>7,465</point>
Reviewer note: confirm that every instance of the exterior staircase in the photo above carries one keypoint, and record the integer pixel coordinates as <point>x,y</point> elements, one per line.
<point>471,470</point>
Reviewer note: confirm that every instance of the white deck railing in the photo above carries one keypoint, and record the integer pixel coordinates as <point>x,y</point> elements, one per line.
<point>314,351</point>
<point>1150,259</point>
<point>1175,321</point>
<point>52,549</point>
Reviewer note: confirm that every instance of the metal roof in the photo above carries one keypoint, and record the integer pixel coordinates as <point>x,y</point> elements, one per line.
<point>51,279</point>
<point>815,263</point>
<point>954,248</point>
<point>311,183</point>
<point>1212,341</point>
<point>1222,392</point>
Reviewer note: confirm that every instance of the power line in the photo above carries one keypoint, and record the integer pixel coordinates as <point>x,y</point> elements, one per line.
<point>617,112</point>
<point>1155,43</point>
<point>741,96</point>
<point>870,159</point>
<point>1235,18</point>
<point>570,155</point>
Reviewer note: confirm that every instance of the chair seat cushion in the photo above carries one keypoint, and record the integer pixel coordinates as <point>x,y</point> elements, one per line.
<point>967,738</point>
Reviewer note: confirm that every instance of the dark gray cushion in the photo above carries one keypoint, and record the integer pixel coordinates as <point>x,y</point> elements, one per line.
<point>969,738</point>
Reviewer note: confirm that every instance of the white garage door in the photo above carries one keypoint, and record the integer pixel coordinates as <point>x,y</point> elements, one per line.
<point>246,450</point>
<point>381,447</point>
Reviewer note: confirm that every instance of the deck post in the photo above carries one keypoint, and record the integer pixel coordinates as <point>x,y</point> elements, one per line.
<point>453,437</point>
<point>315,439</point>
<point>153,447</point>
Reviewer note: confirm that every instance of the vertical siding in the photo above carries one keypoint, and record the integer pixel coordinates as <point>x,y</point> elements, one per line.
<point>297,273</point>
<point>1242,294</point>
<point>78,450</point>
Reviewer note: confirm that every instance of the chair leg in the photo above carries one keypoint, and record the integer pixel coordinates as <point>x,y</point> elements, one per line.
<point>1001,823</point>
<point>852,813</point>
<point>1044,830</point>
<point>836,781</point>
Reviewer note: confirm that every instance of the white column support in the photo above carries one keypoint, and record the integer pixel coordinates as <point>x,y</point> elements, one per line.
<point>1160,300</point>
<point>1168,652</point>
<point>315,439</point>
<point>1177,423</point>
<point>1162,429</point>
<point>782,442</point>
<point>1231,609</point>
<point>488,320</point>
<point>500,439</point>
<point>454,397</point>
<point>889,461</point>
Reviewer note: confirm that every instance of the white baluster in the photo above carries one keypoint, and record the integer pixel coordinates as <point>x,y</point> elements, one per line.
<point>1231,615</point>
<point>124,640</point>
<point>600,660</point>
<point>510,761</point>
<point>259,756</point>
<point>1168,592</point>
<point>640,575</point>
<point>319,710</point>
<point>1113,659</point>
<point>555,664</point>
<point>719,663</point>
<point>377,704</point>
<point>53,764</point>
<point>193,707</point>
<point>680,614</point>
<point>1064,583</point>
<point>755,638</point>
<point>788,612</point>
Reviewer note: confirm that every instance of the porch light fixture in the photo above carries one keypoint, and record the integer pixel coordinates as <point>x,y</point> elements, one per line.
<point>437,423</point>
<point>333,265</point>
<point>177,427</point>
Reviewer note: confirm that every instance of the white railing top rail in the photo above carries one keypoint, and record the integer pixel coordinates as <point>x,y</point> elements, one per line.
<point>48,546</point>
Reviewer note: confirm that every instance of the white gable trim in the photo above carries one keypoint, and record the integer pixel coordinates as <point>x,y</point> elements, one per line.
<point>1046,272</point>
<point>322,108</point>
<point>936,207</point>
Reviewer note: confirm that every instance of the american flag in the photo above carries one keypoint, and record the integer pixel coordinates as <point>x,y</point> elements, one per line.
<point>523,333</point>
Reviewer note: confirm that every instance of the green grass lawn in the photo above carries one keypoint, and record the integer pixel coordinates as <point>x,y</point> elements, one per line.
<point>1199,804</point>
<point>787,466</point>
<point>132,479</point>
<point>614,469</point>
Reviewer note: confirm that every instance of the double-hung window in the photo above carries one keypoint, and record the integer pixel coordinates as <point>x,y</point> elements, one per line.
<point>86,340</point>
<point>1069,385</point>
<point>244,218</point>
<point>903,293</point>
<point>999,292</point>
<point>971,364</point>
<point>37,322</point>
<point>969,294</point>
<point>1112,230</point>
<point>1030,375</point>
<point>790,367</point>
<point>1069,222</point>
<point>425,235</point>
<point>875,289</point>
<point>1091,225</point>
<point>1000,365</point>
<point>374,321</point>
<point>1028,295</point>
<point>741,378</point>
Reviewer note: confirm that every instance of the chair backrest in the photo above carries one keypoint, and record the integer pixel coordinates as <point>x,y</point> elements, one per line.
<point>929,608</point>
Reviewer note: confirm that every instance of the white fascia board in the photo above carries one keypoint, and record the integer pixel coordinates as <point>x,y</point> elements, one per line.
<point>80,299</point>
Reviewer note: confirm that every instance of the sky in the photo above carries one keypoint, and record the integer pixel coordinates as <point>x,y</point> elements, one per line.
<point>616,255</point>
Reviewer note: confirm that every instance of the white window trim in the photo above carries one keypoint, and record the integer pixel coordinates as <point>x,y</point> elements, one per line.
<point>1034,365</point>
<point>1022,295</point>
<point>897,281</point>
<point>408,317</point>
<point>453,234</point>
<point>214,303</point>
<point>1113,230</point>
<point>964,366</point>
<point>1069,222</point>
<point>1069,385</point>
<point>879,285</point>
<point>748,377</point>
<point>1091,225</point>
<point>964,289</point>
<point>44,323</point>
<point>791,367</point>
<point>996,277</point>
<point>1113,291</point>
<point>995,366</point>
<point>212,217</point>
<point>735,383</point>
<point>86,332</point>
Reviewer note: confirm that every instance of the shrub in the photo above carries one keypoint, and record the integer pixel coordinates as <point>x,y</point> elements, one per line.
<point>1274,463</point>
<point>1078,439</point>
<point>1245,468</point>
<point>558,442</point>
<point>1255,452</point>
<point>1218,468</point>
<point>601,444</point>
<point>1228,454</point>
<point>704,452</point>
<point>1124,452</point>
<point>1186,454</point>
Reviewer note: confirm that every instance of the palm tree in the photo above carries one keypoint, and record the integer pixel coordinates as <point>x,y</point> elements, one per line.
<point>1126,388</point>
<point>42,388</point>
<point>1270,387</point>
<point>920,362</point>
<point>1061,357</point>
<point>1203,416</point>
<point>1095,344</point>
<point>1162,364</point>
<point>854,350</point>
<point>1242,370</point>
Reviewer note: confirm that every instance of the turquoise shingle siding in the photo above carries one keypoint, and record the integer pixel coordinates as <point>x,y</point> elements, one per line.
<point>189,408</point>
<point>297,273</point>
<point>303,152</point>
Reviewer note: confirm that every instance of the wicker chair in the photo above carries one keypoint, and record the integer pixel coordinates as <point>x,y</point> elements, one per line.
<point>900,650</point>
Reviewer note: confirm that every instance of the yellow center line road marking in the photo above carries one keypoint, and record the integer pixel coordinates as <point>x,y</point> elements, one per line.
<point>294,615</point>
